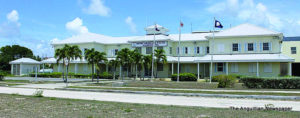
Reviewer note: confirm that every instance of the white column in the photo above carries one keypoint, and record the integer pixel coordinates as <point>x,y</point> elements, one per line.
<point>289,69</point>
<point>198,70</point>
<point>58,68</point>
<point>20,69</point>
<point>76,68</point>
<point>43,68</point>
<point>257,69</point>
<point>226,68</point>
<point>12,69</point>
<point>172,68</point>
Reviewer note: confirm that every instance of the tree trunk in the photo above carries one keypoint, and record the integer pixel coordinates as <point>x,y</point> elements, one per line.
<point>98,74</point>
<point>63,72</point>
<point>136,72</point>
<point>67,73</point>
<point>93,69</point>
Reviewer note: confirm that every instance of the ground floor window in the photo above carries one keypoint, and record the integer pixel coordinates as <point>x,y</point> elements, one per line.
<point>220,67</point>
<point>160,67</point>
<point>170,49</point>
<point>252,67</point>
<point>234,67</point>
<point>160,48</point>
<point>268,67</point>
<point>139,49</point>
<point>148,50</point>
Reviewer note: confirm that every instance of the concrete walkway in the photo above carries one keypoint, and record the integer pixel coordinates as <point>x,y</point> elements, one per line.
<point>154,99</point>
<point>47,79</point>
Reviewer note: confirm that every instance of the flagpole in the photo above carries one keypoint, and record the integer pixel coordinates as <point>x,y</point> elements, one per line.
<point>152,73</point>
<point>179,47</point>
<point>211,51</point>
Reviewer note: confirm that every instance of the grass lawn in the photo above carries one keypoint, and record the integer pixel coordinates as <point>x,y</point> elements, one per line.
<point>27,106</point>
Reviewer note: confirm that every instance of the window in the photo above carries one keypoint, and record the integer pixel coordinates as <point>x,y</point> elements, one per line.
<point>221,47</point>
<point>293,50</point>
<point>207,50</point>
<point>160,67</point>
<point>170,49</point>
<point>160,48</point>
<point>177,50</point>
<point>148,50</point>
<point>220,67</point>
<point>268,67</point>
<point>266,46</point>
<point>235,47</point>
<point>198,50</point>
<point>234,67</point>
<point>186,50</point>
<point>252,67</point>
<point>250,47</point>
<point>139,49</point>
<point>116,51</point>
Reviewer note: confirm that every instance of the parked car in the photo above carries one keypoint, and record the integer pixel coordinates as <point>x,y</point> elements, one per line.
<point>46,71</point>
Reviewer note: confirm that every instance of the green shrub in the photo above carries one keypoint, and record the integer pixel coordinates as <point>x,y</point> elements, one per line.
<point>184,77</point>
<point>225,81</point>
<point>1,76</point>
<point>106,75</point>
<point>38,93</point>
<point>49,75</point>
<point>271,83</point>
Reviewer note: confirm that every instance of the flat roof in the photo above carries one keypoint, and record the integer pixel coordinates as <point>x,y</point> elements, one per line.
<point>296,38</point>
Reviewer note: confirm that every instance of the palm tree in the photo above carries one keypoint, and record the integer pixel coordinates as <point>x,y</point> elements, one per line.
<point>147,62</point>
<point>137,60</point>
<point>72,53</point>
<point>160,57</point>
<point>100,57</point>
<point>89,55</point>
<point>60,55</point>
<point>123,56</point>
<point>66,54</point>
<point>114,64</point>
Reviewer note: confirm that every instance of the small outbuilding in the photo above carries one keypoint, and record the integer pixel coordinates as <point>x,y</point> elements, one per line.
<point>24,66</point>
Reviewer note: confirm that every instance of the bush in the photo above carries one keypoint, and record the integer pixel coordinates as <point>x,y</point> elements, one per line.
<point>50,75</point>
<point>271,83</point>
<point>38,93</point>
<point>184,77</point>
<point>225,81</point>
<point>106,75</point>
<point>1,76</point>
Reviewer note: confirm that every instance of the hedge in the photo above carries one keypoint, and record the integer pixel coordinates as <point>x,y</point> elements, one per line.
<point>271,83</point>
<point>184,77</point>
<point>50,75</point>
<point>225,81</point>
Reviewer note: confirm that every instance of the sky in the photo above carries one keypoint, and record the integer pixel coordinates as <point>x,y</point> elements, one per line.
<point>36,23</point>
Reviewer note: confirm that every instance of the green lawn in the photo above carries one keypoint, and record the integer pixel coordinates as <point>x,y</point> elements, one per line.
<point>27,106</point>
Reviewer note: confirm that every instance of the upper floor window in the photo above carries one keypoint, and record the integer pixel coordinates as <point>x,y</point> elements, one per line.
<point>293,50</point>
<point>186,50</point>
<point>116,51</point>
<point>139,49</point>
<point>207,50</point>
<point>160,48</point>
<point>148,50</point>
<point>198,50</point>
<point>250,47</point>
<point>266,46</point>
<point>235,47</point>
<point>170,49</point>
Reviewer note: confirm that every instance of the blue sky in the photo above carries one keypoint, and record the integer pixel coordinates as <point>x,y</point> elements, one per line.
<point>35,23</point>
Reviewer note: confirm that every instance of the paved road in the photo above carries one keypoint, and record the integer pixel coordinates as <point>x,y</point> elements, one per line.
<point>155,99</point>
<point>46,79</point>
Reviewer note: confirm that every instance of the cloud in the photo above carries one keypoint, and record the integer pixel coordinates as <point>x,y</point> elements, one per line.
<point>75,26</point>
<point>11,28</point>
<point>13,16</point>
<point>54,40</point>
<point>254,13</point>
<point>131,24</point>
<point>97,7</point>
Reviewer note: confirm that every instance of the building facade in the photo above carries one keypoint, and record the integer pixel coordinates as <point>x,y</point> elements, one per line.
<point>291,48</point>
<point>245,50</point>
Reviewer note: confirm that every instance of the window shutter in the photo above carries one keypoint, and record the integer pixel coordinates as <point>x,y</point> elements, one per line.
<point>177,50</point>
<point>261,46</point>
<point>246,46</point>
<point>215,67</point>
<point>239,47</point>
<point>189,50</point>
<point>224,67</point>
<point>201,50</point>
<point>195,50</point>
<point>109,52</point>
<point>254,46</point>
<point>270,45</point>
<point>182,49</point>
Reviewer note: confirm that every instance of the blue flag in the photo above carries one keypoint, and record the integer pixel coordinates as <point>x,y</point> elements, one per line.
<point>218,24</point>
